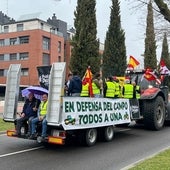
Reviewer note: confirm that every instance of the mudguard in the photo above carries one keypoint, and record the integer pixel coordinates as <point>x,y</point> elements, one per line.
<point>151,93</point>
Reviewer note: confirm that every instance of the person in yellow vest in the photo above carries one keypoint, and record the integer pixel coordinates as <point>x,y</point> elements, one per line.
<point>85,90</point>
<point>42,111</point>
<point>128,90</point>
<point>96,86</point>
<point>109,88</point>
<point>136,90</point>
<point>118,87</point>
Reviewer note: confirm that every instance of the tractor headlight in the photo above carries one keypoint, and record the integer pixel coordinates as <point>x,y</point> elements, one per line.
<point>150,86</point>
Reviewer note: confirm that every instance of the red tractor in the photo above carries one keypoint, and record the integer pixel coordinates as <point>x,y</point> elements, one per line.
<point>153,103</point>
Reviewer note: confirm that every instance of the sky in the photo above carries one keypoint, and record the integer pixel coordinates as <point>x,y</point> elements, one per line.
<point>64,10</point>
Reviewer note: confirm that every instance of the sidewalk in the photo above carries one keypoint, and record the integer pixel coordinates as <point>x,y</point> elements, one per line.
<point>19,109</point>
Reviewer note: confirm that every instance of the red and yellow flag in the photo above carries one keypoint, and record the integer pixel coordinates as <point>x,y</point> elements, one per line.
<point>88,79</point>
<point>132,63</point>
<point>150,75</point>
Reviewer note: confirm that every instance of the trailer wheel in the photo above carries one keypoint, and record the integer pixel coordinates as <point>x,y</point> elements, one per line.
<point>90,137</point>
<point>108,133</point>
<point>154,113</point>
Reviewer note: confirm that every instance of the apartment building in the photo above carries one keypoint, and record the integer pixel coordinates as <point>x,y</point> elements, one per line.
<point>31,43</point>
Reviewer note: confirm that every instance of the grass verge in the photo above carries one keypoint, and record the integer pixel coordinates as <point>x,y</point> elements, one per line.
<point>160,161</point>
<point>6,125</point>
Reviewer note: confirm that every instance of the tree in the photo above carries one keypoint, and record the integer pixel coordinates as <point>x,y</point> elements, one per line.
<point>85,51</point>
<point>164,10</point>
<point>150,59</point>
<point>114,56</point>
<point>165,51</point>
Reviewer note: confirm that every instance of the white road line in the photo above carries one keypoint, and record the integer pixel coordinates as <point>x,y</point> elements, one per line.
<point>3,135</point>
<point>22,151</point>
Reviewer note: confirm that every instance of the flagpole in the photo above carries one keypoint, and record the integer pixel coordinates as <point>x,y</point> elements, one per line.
<point>101,73</point>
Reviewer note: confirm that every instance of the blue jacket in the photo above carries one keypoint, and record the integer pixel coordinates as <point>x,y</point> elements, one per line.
<point>75,85</point>
<point>28,107</point>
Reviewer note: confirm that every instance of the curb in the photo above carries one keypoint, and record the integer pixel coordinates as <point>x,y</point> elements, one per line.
<point>2,132</point>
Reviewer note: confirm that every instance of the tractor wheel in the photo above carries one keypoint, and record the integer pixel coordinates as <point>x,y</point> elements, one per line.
<point>167,121</point>
<point>154,113</point>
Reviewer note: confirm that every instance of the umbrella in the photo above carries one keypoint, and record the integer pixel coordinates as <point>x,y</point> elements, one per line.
<point>36,90</point>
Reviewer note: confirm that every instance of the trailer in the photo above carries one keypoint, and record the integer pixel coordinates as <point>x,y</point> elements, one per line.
<point>85,118</point>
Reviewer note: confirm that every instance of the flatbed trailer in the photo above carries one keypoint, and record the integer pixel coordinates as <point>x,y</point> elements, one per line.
<point>85,118</point>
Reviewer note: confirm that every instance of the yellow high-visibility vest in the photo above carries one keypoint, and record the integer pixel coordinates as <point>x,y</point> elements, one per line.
<point>85,90</point>
<point>43,108</point>
<point>111,88</point>
<point>96,90</point>
<point>137,92</point>
<point>128,91</point>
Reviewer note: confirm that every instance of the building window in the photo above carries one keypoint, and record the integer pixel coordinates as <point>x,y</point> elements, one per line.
<point>6,29</point>
<point>46,43</point>
<point>24,40</point>
<point>13,56</point>
<point>42,26</point>
<point>1,57</point>
<point>20,27</point>
<point>1,72</point>
<point>59,46</point>
<point>46,59</point>
<point>24,71</point>
<point>59,58</point>
<point>23,56</point>
<point>2,42</point>
<point>13,41</point>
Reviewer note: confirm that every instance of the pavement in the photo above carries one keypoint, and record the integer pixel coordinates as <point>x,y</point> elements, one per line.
<point>19,108</point>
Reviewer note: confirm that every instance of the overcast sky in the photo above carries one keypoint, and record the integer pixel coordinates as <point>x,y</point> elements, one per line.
<point>64,10</point>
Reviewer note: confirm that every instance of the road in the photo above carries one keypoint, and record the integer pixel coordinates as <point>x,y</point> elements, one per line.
<point>128,146</point>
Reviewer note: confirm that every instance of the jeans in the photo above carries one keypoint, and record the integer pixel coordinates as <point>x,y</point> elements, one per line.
<point>44,126</point>
<point>97,95</point>
<point>29,124</point>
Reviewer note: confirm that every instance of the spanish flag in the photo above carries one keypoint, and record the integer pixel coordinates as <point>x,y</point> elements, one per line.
<point>87,78</point>
<point>132,63</point>
<point>150,75</point>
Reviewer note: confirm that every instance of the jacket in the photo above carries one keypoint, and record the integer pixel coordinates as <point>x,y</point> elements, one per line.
<point>75,85</point>
<point>28,107</point>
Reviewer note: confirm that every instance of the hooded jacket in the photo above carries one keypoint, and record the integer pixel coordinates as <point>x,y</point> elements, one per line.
<point>75,85</point>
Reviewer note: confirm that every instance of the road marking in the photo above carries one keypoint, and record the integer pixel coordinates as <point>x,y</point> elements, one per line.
<point>22,151</point>
<point>3,135</point>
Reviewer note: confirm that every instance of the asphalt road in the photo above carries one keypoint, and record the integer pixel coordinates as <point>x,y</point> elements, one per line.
<point>128,146</point>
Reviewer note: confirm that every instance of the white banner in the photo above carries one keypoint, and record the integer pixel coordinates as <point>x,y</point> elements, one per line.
<point>84,112</point>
